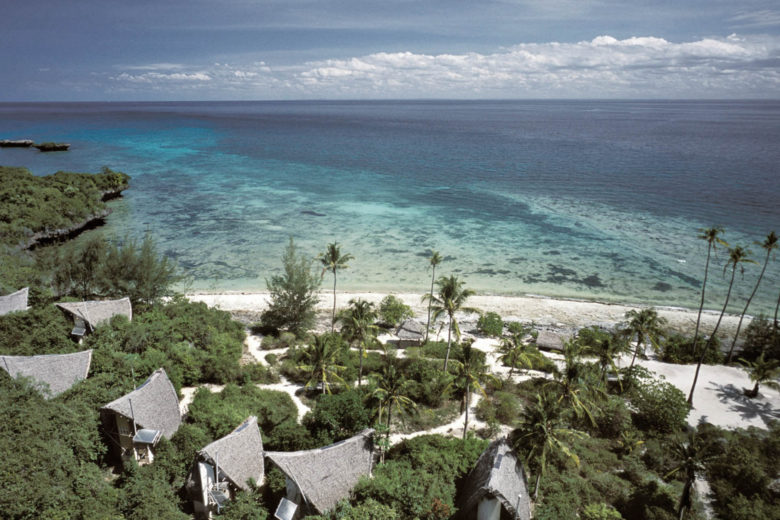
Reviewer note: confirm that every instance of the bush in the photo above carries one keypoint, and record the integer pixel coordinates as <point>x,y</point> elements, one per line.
<point>679,349</point>
<point>503,407</point>
<point>293,294</point>
<point>518,329</point>
<point>600,511</point>
<point>490,324</point>
<point>392,311</point>
<point>761,336</point>
<point>338,416</point>
<point>661,407</point>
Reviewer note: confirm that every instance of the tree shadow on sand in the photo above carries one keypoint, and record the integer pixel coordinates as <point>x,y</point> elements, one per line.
<point>746,407</point>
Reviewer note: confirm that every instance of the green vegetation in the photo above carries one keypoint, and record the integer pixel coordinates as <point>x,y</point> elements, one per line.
<point>293,294</point>
<point>334,260</point>
<point>34,208</point>
<point>392,311</point>
<point>451,299</point>
<point>490,324</point>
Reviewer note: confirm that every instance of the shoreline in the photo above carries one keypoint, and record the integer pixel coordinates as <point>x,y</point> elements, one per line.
<point>544,311</point>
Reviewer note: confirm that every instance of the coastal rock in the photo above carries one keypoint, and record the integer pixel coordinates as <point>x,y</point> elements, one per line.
<point>16,143</point>
<point>53,147</point>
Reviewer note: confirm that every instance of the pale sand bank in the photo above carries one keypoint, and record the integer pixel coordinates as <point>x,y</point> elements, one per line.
<point>548,312</point>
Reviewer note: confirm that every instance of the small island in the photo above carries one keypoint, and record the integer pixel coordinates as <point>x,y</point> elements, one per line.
<point>53,147</point>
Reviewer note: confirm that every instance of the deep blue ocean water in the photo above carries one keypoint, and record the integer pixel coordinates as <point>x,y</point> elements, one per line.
<point>585,199</point>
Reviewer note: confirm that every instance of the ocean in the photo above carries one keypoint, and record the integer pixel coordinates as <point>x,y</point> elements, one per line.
<point>596,200</point>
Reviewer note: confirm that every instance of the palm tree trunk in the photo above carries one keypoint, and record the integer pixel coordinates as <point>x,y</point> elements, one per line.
<point>709,341</point>
<point>333,315</point>
<point>389,418</point>
<point>636,350</point>
<point>466,422</point>
<point>744,311</point>
<point>360,370</point>
<point>776,309</point>
<point>685,499</point>
<point>701,304</point>
<point>536,486</point>
<point>449,336</point>
<point>428,327</point>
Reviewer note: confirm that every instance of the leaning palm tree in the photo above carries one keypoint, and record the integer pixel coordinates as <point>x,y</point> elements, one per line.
<point>434,260</point>
<point>644,325</point>
<point>472,373</point>
<point>320,362</point>
<point>541,435</point>
<point>358,327</point>
<point>712,236</point>
<point>737,255</point>
<point>391,387</point>
<point>761,371</point>
<point>451,299</point>
<point>606,350</point>
<point>770,244</point>
<point>333,260</point>
<point>692,453</point>
<point>514,352</point>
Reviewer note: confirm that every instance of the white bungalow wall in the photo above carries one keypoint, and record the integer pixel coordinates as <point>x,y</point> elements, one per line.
<point>489,509</point>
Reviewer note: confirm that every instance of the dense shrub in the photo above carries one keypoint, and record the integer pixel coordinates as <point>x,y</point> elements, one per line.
<point>661,407</point>
<point>392,311</point>
<point>679,349</point>
<point>503,407</point>
<point>337,416</point>
<point>490,324</point>
<point>761,335</point>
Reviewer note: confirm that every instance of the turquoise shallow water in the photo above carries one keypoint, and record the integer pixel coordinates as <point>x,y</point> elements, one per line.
<point>598,200</point>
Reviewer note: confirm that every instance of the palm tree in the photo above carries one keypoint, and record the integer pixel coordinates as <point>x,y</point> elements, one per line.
<point>514,352</point>
<point>451,299</point>
<point>737,255</point>
<point>434,261</point>
<point>320,361</point>
<point>770,244</point>
<point>646,326</point>
<point>606,350</point>
<point>712,236</point>
<point>391,393</point>
<point>576,385</point>
<point>692,454</point>
<point>358,327</point>
<point>333,260</point>
<point>761,371</point>
<point>472,372</point>
<point>541,435</point>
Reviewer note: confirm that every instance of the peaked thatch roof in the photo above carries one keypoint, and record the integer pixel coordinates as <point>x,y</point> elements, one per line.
<point>57,371</point>
<point>411,330</point>
<point>16,301</point>
<point>550,340</point>
<point>327,475</point>
<point>96,312</point>
<point>239,454</point>
<point>497,474</point>
<point>155,404</point>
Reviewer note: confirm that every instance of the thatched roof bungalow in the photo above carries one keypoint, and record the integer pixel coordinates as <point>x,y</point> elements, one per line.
<point>225,466</point>
<point>54,373</point>
<point>548,340</point>
<point>411,333</point>
<point>16,301</point>
<point>496,488</point>
<point>318,479</point>
<point>137,421</point>
<point>88,315</point>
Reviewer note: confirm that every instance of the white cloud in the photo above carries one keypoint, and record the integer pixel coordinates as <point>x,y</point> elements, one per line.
<point>602,67</point>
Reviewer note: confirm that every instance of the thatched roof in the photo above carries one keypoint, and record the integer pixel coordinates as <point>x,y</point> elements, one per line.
<point>497,474</point>
<point>411,330</point>
<point>16,301</point>
<point>155,405</point>
<point>326,475</point>
<point>96,312</point>
<point>550,340</point>
<point>58,372</point>
<point>239,454</point>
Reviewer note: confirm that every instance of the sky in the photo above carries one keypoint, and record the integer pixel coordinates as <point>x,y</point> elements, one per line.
<point>169,50</point>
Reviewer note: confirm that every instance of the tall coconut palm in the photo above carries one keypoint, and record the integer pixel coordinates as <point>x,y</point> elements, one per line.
<point>514,352</point>
<point>358,327</point>
<point>712,236</point>
<point>646,326</point>
<point>692,453</point>
<point>320,361</point>
<point>575,385</point>
<point>769,244</point>
<point>451,299</point>
<point>391,387</point>
<point>738,255</point>
<point>434,260</point>
<point>333,260</point>
<point>606,350</point>
<point>472,373</point>
<point>761,371</point>
<point>541,435</point>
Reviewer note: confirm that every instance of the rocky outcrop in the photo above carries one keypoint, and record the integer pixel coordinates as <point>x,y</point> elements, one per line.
<point>16,143</point>
<point>53,147</point>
